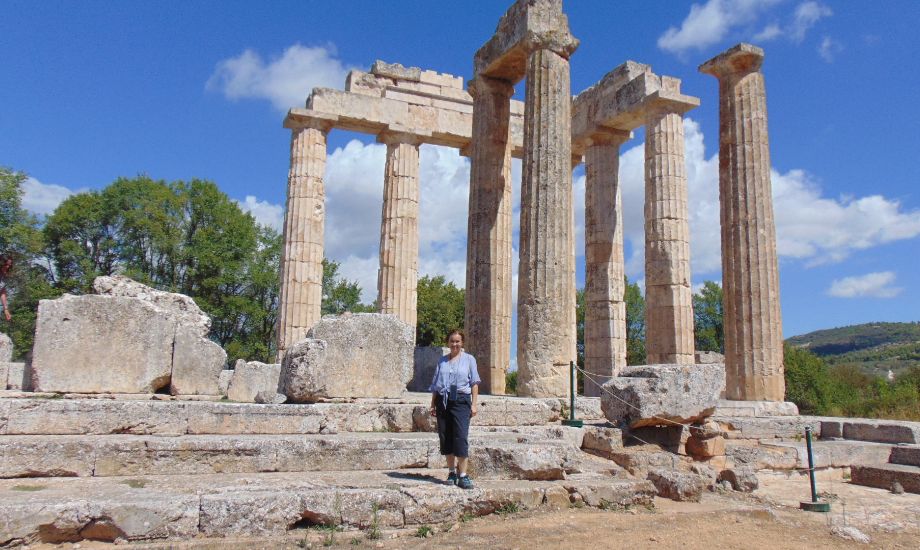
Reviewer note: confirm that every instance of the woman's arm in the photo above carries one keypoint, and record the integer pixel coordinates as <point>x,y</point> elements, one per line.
<point>6,309</point>
<point>473,407</point>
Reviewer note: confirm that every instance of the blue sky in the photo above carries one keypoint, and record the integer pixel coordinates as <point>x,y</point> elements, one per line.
<point>90,91</point>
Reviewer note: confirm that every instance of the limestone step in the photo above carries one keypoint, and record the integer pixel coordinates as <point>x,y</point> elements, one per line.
<point>868,429</point>
<point>883,476</point>
<point>908,455</point>
<point>539,453</point>
<point>37,416</point>
<point>791,455</point>
<point>55,510</point>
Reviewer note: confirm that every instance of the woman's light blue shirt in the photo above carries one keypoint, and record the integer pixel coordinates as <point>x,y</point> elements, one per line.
<point>463,372</point>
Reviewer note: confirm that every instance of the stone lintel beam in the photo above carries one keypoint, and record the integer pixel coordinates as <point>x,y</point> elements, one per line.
<point>528,25</point>
<point>396,134</point>
<point>622,99</point>
<point>740,59</point>
<point>599,136</point>
<point>372,115</point>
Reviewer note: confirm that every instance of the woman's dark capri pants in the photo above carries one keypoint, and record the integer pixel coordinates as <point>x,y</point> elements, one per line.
<point>454,425</point>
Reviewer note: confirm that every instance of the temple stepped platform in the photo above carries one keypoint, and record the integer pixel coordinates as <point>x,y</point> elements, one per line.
<point>228,505</point>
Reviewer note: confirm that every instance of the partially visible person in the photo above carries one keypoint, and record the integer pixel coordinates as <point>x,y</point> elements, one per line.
<point>454,393</point>
<point>6,264</point>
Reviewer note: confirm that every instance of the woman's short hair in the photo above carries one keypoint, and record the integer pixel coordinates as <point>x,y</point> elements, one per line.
<point>457,331</point>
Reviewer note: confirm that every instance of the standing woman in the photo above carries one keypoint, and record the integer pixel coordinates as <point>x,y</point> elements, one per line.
<point>6,264</point>
<point>454,392</point>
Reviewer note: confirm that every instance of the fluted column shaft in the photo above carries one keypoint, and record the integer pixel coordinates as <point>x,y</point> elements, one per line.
<point>546,286</point>
<point>304,221</point>
<point>605,308</point>
<point>668,296</point>
<point>397,279</point>
<point>489,234</point>
<point>750,274</point>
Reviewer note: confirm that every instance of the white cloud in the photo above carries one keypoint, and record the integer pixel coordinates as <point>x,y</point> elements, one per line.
<point>829,48</point>
<point>708,24</point>
<point>870,285</point>
<point>805,16</point>
<point>42,198</point>
<point>286,81</point>
<point>768,33</point>
<point>264,212</point>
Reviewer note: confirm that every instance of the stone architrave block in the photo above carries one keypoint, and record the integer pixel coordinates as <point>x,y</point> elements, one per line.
<point>196,364</point>
<point>676,485</point>
<point>250,378</point>
<point>18,376</point>
<point>6,348</point>
<point>661,395</point>
<point>425,363</point>
<point>365,355</point>
<point>102,344</point>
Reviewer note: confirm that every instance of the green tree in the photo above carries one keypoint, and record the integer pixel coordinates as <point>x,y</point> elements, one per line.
<point>707,317</point>
<point>440,310</point>
<point>635,324</point>
<point>29,281</point>
<point>580,326</point>
<point>339,294</point>
<point>808,382</point>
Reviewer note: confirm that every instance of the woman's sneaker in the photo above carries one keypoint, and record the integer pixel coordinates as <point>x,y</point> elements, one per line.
<point>452,478</point>
<point>465,482</point>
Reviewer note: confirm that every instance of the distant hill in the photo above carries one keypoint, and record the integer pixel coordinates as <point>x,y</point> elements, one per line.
<point>875,348</point>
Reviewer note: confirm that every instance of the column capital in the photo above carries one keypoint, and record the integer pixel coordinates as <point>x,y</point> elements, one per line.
<point>317,121</point>
<point>482,85</point>
<point>398,135</point>
<point>738,60</point>
<point>664,103</point>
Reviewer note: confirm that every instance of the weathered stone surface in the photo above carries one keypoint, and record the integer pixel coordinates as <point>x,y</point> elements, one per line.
<point>249,378</point>
<point>708,357</point>
<point>662,394</point>
<point>270,397</point>
<point>750,272</point>
<point>882,431</point>
<point>759,409</point>
<point>6,348</point>
<point>4,375</point>
<point>742,478</point>
<point>178,306</point>
<point>95,344</point>
<point>771,427</point>
<point>91,416</point>
<point>677,485</point>
<point>705,430</point>
<point>705,448</point>
<point>223,381</point>
<point>196,364</point>
<point>638,460</point>
<point>33,456</point>
<point>520,461</point>
<point>365,355</point>
<point>425,362</point>
<point>601,440</point>
<point>18,376</point>
<point>885,475</point>
<point>908,455</point>
<point>788,455</point>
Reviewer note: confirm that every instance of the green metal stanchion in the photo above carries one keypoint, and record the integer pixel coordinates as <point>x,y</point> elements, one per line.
<point>815,505</point>
<point>571,421</point>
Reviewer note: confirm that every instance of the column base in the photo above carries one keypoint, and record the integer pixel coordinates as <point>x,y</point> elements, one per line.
<point>727,407</point>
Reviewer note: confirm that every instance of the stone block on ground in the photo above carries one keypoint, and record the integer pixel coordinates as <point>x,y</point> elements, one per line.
<point>364,355</point>
<point>425,363</point>
<point>601,440</point>
<point>741,478</point>
<point>179,307</point>
<point>223,381</point>
<point>705,448</point>
<point>18,376</point>
<point>250,378</point>
<point>270,397</point>
<point>6,348</point>
<point>677,485</point>
<point>196,364</point>
<point>660,395</point>
<point>708,357</point>
<point>886,475</point>
<point>102,344</point>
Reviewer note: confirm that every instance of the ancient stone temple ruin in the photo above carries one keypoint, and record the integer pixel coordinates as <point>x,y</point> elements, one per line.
<point>552,132</point>
<point>125,424</point>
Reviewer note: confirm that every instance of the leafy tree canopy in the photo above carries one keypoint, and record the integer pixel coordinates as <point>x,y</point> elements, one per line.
<point>440,310</point>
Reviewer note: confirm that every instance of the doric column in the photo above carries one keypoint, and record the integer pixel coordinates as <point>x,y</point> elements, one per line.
<point>546,286</point>
<point>668,296</point>
<point>750,276</point>
<point>397,279</point>
<point>304,220</point>
<point>605,308</point>
<point>489,237</point>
